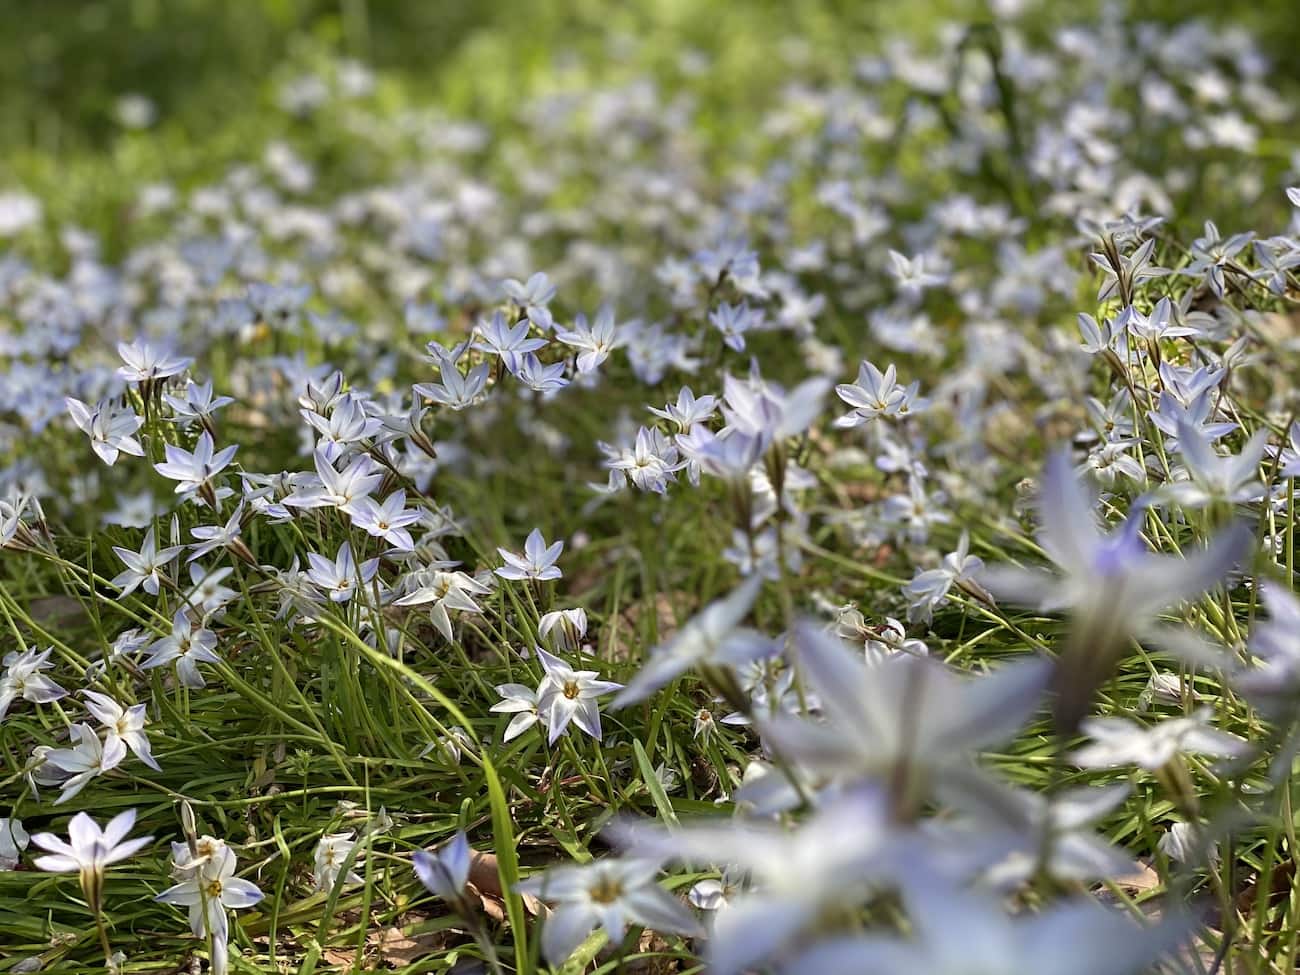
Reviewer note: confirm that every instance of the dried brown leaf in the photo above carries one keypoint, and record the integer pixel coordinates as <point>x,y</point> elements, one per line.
<point>391,946</point>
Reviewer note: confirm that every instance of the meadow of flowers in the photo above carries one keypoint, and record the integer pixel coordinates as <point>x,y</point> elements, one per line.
<point>600,536</point>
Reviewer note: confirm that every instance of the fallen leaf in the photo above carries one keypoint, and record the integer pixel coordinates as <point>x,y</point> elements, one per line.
<point>392,945</point>
<point>483,872</point>
<point>1279,888</point>
<point>1141,880</point>
<point>485,881</point>
<point>662,964</point>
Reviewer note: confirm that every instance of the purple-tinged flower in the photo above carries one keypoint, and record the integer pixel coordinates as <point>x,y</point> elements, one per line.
<point>1111,585</point>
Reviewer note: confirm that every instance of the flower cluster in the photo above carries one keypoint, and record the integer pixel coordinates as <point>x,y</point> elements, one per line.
<point>906,498</point>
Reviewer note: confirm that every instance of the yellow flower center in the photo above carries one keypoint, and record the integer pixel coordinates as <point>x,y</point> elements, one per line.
<point>606,890</point>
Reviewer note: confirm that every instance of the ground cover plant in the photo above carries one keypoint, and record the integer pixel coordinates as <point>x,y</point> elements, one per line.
<point>584,529</point>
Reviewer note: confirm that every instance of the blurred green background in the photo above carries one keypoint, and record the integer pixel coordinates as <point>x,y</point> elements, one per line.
<point>211,67</point>
<point>64,63</point>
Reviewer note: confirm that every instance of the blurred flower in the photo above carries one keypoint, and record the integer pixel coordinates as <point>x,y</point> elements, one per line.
<point>1121,741</point>
<point>1111,585</point>
<point>903,723</point>
<point>955,932</point>
<point>607,894</point>
<point>710,638</point>
<point>847,847</point>
<point>446,872</point>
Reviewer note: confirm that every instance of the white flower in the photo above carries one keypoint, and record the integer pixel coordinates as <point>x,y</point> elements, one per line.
<point>89,849</point>
<point>13,840</point>
<point>688,410</point>
<point>875,394</point>
<point>143,363</point>
<point>891,639</point>
<point>207,594</point>
<point>605,894</point>
<point>334,488</point>
<point>126,724</point>
<point>521,701</point>
<point>197,403</point>
<point>1120,741</point>
<point>143,567</point>
<point>455,390</point>
<point>507,341</point>
<point>537,562</point>
<point>88,758</point>
<point>568,695</point>
<point>23,679</point>
<point>331,851</point>
<point>209,891</point>
<point>446,591</point>
<point>187,646</point>
<point>387,521</point>
<point>15,532</point>
<point>341,576</point>
<point>213,537</point>
<point>649,463</point>
<point>537,375</point>
<point>109,427</point>
<point>595,342</point>
<point>715,895</point>
<point>565,628</point>
<point>929,588</point>
<point>194,470</point>
<point>347,424</point>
